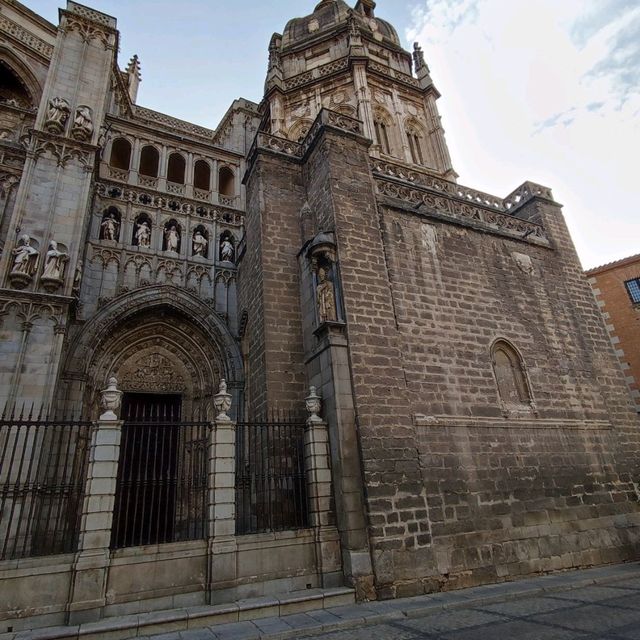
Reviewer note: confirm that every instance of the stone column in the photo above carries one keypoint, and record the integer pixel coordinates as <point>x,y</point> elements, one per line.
<point>90,569</point>
<point>318,476</point>
<point>162,169</point>
<point>188,176</point>
<point>134,163</point>
<point>222,504</point>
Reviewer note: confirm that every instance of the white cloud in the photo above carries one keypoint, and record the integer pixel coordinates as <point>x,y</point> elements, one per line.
<point>549,92</point>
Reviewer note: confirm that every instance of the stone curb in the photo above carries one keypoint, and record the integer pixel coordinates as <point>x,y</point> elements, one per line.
<point>343,617</point>
<point>421,606</point>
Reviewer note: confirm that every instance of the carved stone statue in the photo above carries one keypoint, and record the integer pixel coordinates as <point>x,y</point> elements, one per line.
<point>82,128</point>
<point>110,228</point>
<point>77,276</point>
<point>25,256</point>
<point>57,115</point>
<point>143,234</point>
<point>172,238</point>
<point>54,263</point>
<point>226,250</point>
<point>199,244</point>
<point>325,298</point>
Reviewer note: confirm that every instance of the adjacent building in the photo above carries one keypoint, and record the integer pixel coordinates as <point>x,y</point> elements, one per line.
<point>468,419</point>
<point>616,286</point>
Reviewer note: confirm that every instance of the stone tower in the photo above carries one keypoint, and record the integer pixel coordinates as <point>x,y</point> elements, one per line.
<point>45,235</point>
<point>451,333</point>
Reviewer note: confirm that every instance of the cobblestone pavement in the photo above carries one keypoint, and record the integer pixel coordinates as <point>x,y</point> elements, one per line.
<point>601,603</point>
<point>611,612</point>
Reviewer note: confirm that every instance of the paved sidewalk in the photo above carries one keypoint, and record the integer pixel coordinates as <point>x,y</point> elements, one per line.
<point>588,604</point>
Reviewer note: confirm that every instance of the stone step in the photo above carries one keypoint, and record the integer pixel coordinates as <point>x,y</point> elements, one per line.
<point>159,622</point>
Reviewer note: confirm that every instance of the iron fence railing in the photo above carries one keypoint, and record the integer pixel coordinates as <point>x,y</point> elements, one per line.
<point>161,488</point>
<point>271,490</point>
<point>43,466</point>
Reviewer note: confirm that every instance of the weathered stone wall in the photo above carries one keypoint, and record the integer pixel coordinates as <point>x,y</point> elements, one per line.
<point>508,495</point>
<point>269,285</point>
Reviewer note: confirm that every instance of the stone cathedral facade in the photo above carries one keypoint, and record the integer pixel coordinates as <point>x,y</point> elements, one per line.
<point>479,425</point>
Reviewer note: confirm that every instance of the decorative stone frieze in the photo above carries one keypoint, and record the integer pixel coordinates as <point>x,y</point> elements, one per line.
<point>151,200</point>
<point>25,37</point>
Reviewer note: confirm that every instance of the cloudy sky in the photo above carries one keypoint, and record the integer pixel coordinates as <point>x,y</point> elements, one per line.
<point>547,91</point>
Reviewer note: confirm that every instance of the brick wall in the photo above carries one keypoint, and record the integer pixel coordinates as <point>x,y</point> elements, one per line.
<point>621,315</point>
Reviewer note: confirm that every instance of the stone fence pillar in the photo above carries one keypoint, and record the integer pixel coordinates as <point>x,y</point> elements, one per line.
<point>222,499</point>
<point>89,580</point>
<point>318,476</point>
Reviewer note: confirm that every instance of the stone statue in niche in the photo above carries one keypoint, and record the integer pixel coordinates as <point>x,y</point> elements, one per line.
<point>172,238</point>
<point>226,250</point>
<point>25,258</point>
<point>82,128</point>
<point>57,115</point>
<point>77,276</point>
<point>199,244</point>
<point>143,234</point>
<point>325,298</point>
<point>54,263</point>
<point>110,227</point>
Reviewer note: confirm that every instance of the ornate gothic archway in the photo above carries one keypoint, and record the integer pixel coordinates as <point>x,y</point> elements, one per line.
<point>159,339</point>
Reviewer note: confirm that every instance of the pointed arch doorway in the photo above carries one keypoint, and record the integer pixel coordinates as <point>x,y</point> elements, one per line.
<point>168,352</point>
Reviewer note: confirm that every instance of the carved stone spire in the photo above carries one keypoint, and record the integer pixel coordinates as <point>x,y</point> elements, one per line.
<point>134,77</point>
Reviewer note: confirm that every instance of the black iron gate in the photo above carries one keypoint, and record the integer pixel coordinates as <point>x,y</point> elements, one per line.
<point>271,490</point>
<point>161,490</point>
<point>43,467</point>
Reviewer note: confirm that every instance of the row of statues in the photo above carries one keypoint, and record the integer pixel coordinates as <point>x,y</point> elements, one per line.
<point>110,230</point>
<point>57,116</point>
<point>25,262</point>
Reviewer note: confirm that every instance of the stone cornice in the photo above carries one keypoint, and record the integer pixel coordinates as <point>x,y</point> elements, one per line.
<point>426,193</point>
<point>153,200</point>
<point>524,422</point>
<point>24,37</point>
<point>173,124</point>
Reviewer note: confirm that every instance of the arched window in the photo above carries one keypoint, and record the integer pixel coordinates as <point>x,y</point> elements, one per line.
<point>110,224</point>
<point>382,136</point>
<point>511,378</point>
<point>120,154</point>
<point>149,162</point>
<point>226,182</point>
<point>142,231</point>
<point>12,89</point>
<point>175,168</point>
<point>202,175</point>
<point>415,145</point>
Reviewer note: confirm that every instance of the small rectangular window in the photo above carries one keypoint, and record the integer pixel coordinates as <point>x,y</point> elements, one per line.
<point>633,288</point>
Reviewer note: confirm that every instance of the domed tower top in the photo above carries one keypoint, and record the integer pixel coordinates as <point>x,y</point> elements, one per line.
<point>349,60</point>
<point>330,14</point>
